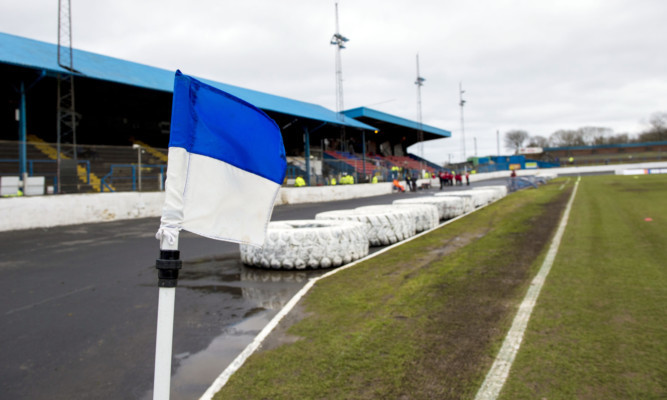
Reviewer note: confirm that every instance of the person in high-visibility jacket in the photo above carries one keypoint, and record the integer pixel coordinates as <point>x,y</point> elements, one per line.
<point>332,182</point>
<point>375,179</point>
<point>299,181</point>
<point>19,193</point>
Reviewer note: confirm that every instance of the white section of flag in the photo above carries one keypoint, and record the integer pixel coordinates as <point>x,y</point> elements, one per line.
<point>212,198</point>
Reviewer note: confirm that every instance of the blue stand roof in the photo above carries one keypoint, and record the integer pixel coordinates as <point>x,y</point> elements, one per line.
<point>34,54</point>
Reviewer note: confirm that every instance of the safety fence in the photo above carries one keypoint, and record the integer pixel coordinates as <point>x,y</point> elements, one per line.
<point>85,168</point>
<point>139,167</point>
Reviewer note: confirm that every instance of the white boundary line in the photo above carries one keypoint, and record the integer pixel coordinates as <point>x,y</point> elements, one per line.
<point>222,379</point>
<point>564,183</point>
<point>495,379</point>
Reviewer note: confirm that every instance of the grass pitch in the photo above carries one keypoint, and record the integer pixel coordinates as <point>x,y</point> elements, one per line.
<point>599,330</point>
<point>425,320</point>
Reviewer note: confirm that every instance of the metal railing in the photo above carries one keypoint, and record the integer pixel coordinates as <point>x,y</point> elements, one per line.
<point>49,173</point>
<point>118,177</point>
<point>39,159</point>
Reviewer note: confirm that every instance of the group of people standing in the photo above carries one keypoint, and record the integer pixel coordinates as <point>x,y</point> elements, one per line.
<point>448,178</point>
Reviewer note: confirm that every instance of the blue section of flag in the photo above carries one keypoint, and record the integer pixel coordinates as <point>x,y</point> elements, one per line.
<point>213,123</point>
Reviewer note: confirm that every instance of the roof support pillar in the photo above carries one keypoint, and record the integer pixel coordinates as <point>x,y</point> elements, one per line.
<point>23,161</point>
<point>306,140</point>
<point>23,128</point>
<point>363,153</point>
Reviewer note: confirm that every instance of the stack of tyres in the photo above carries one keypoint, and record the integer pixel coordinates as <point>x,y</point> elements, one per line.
<point>302,244</point>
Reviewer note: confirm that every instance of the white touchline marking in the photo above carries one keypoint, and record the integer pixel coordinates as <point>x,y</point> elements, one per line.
<point>495,379</point>
<point>564,183</point>
<point>49,299</point>
<point>222,379</point>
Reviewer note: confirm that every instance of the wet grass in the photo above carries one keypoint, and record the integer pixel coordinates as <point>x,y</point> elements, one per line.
<point>426,320</point>
<point>421,321</point>
<point>599,330</point>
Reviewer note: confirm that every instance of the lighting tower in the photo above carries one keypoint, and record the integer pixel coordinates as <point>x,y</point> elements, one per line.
<point>463,132</point>
<point>420,82</point>
<point>339,41</point>
<point>66,125</point>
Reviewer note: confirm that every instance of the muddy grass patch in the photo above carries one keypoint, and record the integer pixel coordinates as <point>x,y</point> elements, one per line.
<point>421,321</point>
<point>475,308</point>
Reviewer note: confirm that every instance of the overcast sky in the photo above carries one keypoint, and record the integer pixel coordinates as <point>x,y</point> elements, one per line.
<point>536,65</point>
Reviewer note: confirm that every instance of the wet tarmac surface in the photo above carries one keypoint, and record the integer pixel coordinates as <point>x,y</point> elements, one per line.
<point>256,296</point>
<point>78,307</point>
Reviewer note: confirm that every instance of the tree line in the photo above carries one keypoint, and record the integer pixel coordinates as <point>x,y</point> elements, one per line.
<point>589,136</point>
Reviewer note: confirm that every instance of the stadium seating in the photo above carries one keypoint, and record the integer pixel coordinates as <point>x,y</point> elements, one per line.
<point>409,163</point>
<point>353,161</point>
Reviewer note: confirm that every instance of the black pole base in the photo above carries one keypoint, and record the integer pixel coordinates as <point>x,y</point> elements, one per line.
<point>167,268</point>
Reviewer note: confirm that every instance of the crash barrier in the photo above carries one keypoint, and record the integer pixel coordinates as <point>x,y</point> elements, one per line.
<point>426,215</point>
<point>447,207</point>
<point>302,244</point>
<point>384,226</point>
<point>639,171</point>
<point>501,190</point>
<point>476,198</point>
<point>522,182</point>
<point>337,237</point>
<point>299,244</point>
<point>316,194</point>
<point>71,209</point>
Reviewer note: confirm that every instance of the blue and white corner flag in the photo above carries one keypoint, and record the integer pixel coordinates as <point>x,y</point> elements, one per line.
<point>226,165</point>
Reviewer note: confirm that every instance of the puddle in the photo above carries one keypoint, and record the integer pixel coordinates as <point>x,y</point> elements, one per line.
<point>257,294</point>
<point>197,372</point>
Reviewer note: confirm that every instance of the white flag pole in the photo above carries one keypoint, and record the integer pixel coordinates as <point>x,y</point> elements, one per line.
<point>167,265</point>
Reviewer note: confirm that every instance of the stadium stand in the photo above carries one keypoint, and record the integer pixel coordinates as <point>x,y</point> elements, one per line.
<point>121,103</point>
<point>352,160</point>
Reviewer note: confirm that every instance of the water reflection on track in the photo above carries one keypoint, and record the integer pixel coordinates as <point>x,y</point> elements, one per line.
<point>257,295</point>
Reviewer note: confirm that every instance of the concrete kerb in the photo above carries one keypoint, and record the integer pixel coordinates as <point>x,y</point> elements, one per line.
<point>238,362</point>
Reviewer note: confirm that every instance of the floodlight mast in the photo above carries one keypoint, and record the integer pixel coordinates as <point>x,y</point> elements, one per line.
<point>420,82</point>
<point>463,132</point>
<point>66,121</point>
<point>339,41</point>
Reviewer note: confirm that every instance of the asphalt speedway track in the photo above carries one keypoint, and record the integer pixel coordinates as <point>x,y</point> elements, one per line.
<point>78,306</point>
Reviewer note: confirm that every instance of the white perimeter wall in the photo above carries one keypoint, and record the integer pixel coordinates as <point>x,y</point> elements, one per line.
<point>70,209</point>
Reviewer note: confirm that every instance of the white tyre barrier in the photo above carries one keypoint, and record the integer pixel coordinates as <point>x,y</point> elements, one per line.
<point>477,197</point>
<point>448,207</point>
<point>500,190</point>
<point>490,195</point>
<point>425,215</point>
<point>383,227</point>
<point>547,175</point>
<point>305,244</point>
